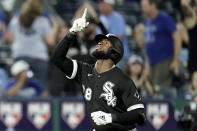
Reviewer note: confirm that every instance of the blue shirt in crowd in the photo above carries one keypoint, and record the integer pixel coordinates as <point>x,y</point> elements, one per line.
<point>32,88</point>
<point>158,38</point>
<point>2,20</point>
<point>115,24</point>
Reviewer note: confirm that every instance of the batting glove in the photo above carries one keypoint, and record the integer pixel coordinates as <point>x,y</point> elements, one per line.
<point>101,118</point>
<point>80,23</point>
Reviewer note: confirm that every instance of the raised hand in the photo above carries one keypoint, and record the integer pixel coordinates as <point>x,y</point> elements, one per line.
<point>80,23</point>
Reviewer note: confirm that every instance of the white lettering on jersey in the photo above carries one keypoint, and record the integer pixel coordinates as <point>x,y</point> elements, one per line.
<point>108,94</point>
<point>88,94</point>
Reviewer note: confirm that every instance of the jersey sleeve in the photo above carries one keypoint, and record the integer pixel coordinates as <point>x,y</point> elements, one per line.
<point>79,70</point>
<point>131,97</point>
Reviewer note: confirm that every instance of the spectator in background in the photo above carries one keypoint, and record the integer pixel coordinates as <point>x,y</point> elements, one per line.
<point>189,13</point>
<point>115,24</point>
<point>178,80</point>
<point>162,43</point>
<point>139,36</point>
<point>23,84</point>
<point>137,73</point>
<point>31,33</point>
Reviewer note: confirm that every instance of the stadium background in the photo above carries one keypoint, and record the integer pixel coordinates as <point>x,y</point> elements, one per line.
<point>63,108</point>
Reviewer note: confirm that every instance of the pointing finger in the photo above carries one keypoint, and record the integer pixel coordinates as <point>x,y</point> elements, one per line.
<point>84,13</point>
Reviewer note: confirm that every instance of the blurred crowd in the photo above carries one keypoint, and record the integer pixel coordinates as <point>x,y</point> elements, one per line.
<point>159,39</point>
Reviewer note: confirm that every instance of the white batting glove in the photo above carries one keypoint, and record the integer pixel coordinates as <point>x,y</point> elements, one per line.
<point>101,118</point>
<point>80,23</point>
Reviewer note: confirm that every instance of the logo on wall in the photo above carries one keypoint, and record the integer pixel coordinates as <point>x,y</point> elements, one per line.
<point>10,113</point>
<point>157,114</point>
<point>39,113</point>
<point>72,113</point>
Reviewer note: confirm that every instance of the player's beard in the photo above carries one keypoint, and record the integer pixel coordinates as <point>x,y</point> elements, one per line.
<point>100,55</point>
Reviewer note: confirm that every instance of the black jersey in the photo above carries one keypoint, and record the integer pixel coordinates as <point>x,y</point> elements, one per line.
<point>110,92</point>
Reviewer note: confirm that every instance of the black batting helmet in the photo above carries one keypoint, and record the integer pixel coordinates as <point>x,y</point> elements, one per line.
<point>116,51</point>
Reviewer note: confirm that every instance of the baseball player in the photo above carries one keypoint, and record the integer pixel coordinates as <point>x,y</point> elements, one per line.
<point>110,96</point>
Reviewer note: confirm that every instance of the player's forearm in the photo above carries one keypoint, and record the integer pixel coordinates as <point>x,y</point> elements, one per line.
<point>59,54</point>
<point>130,118</point>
